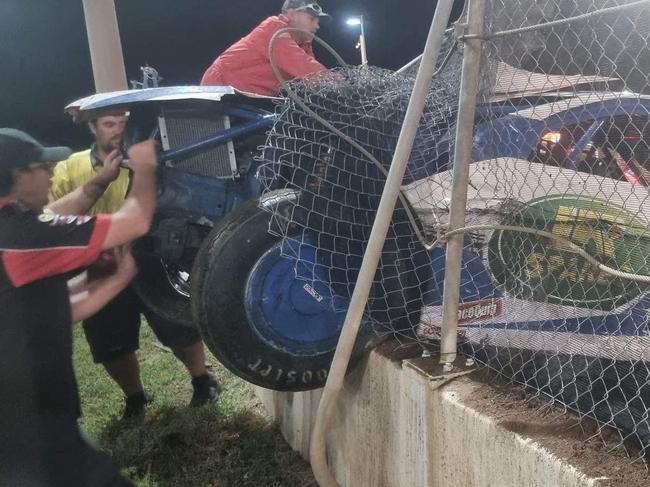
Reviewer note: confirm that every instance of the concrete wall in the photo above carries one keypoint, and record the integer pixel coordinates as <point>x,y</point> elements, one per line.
<point>393,429</point>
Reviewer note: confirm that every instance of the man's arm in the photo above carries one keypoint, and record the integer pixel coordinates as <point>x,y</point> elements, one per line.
<point>86,299</point>
<point>134,217</point>
<point>82,199</point>
<point>292,59</point>
<point>58,244</point>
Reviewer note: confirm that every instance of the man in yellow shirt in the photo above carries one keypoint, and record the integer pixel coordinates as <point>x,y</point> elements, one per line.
<point>113,333</point>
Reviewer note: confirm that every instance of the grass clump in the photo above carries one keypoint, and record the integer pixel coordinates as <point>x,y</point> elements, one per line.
<point>229,443</point>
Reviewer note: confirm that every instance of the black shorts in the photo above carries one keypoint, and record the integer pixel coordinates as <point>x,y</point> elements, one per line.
<point>115,330</point>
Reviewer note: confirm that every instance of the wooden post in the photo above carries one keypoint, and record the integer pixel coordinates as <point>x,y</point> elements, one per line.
<point>105,45</point>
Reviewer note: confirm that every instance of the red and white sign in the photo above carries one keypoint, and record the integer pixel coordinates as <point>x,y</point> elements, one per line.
<point>479,310</point>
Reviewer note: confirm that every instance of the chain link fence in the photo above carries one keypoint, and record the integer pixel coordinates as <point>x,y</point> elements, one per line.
<point>554,291</point>
<point>339,176</point>
<point>572,164</point>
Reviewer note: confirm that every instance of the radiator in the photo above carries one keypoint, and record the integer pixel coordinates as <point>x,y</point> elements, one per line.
<point>181,127</point>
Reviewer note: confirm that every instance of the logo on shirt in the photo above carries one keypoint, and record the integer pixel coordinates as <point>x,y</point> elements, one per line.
<point>56,220</point>
<point>46,217</point>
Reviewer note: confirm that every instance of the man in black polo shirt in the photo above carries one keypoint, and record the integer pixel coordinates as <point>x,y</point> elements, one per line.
<point>40,443</point>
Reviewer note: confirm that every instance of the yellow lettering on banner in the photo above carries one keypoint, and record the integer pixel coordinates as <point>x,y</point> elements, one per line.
<point>535,268</point>
<point>588,275</point>
<point>572,224</point>
<point>601,278</point>
<point>565,266</point>
<point>555,263</point>
<point>570,271</point>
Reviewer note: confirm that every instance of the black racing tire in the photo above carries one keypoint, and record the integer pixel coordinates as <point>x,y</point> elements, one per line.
<point>219,280</point>
<point>156,292</point>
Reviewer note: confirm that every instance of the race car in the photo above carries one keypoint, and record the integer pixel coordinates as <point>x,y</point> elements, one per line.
<point>260,248</point>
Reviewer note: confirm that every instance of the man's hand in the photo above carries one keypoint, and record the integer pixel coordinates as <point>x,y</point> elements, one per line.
<point>82,199</point>
<point>133,219</point>
<point>125,266</point>
<point>143,156</point>
<point>111,169</point>
<point>89,297</point>
<point>117,261</point>
<point>95,188</point>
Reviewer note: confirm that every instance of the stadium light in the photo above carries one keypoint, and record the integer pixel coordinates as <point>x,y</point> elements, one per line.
<point>354,21</point>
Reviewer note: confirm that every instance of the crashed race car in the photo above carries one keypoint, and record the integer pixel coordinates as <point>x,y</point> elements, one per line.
<point>262,220</point>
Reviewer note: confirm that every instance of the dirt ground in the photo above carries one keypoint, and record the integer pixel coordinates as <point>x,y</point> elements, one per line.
<point>579,442</point>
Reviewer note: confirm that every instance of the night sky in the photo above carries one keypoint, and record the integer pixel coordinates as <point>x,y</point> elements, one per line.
<point>46,64</point>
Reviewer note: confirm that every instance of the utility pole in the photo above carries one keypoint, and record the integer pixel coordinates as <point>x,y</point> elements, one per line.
<point>105,45</point>
<point>362,43</point>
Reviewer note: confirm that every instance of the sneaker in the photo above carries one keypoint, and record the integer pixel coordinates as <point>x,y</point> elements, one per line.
<point>206,389</point>
<point>135,404</point>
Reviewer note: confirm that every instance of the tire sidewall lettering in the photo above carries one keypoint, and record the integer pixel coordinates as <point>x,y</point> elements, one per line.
<point>308,376</point>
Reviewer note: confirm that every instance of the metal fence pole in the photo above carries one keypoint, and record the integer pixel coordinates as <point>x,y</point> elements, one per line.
<point>376,243</point>
<point>462,158</point>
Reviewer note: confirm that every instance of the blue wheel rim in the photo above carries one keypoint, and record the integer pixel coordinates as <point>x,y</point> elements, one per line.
<point>288,303</point>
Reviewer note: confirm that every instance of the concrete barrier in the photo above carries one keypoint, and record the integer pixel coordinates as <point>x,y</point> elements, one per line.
<point>394,428</point>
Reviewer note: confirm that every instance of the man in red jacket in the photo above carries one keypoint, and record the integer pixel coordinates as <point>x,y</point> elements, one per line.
<point>246,66</point>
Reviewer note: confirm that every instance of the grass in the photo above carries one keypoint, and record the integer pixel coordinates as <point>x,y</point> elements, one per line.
<point>229,443</point>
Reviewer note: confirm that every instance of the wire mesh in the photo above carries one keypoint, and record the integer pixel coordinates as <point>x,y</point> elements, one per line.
<point>561,145</point>
<point>572,161</point>
<point>338,188</point>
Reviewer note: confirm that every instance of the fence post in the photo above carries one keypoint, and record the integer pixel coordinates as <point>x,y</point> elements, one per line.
<point>462,158</point>
<point>376,243</point>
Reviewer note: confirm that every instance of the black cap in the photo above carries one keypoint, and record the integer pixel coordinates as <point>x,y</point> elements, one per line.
<point>310,7</point>
<point>18,150</point>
